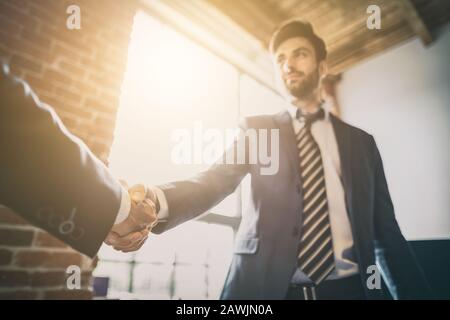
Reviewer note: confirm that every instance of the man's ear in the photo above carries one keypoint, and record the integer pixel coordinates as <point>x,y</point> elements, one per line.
<point>323,69</point>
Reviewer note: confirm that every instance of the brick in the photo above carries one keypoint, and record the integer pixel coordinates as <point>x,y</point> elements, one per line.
<point>39,39</point>
<point>68,295</point>
<point>46,259</point>
<point>51,17</point>
<point>53,6</point>
<point>111,99</point>
<point>69,54</point>
<point>70,39</point>
<point>35,52</point>
<point>4,54</point>
<point>15,238</point>
<point>26,63</point>
<point>69,121</point>
<point>86,279</point>
<point>83,135</point>
<point>105,122</point>
<point>19,14</point>
<point>39,84</point>
<point>106,81</point>
<point>116,56</point>
<point>21,5</point>
<point>99,105</point>
<point>13,12</point>
<point>11,278</point>
<point>43,239</point>
<point>9,26</point>
<point>5,257</point>
<point>101,150</point>
<point>31,23</point>
<point>57,77</point>
<point>70,108</point>
<point>83,114</point>
<point>94,66</point>
<point>101,133</point>
<point>18,295</point>
<point>48,279</point>
<point>16,70</point>
<point>57,279</point>
<point>72,69</point>
<point>7,40</point>
<point>86,89</point>
<point>79,73</point>
<point>9,217</point>
<point>68,95</point>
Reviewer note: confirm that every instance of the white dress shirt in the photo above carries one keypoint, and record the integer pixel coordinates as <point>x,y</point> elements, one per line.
<point>323,132</point>
<point>125,205</point>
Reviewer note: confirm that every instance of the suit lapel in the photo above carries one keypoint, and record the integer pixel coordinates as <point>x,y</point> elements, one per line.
<point>343,139</point>
<point>351,189</point>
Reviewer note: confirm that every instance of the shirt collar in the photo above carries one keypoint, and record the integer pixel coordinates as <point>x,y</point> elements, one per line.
<point>293,110</point>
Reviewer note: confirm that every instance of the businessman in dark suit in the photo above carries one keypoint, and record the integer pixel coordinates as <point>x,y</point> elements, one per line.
<point>51,178</point>
<point>314,228</point>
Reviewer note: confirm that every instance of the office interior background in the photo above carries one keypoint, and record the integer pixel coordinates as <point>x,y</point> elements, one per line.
<point>138,70</point>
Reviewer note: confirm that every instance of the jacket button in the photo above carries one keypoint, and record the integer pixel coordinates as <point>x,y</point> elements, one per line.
<point>295,231</point>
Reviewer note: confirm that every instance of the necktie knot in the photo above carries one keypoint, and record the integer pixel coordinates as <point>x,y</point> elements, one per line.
<point>310,118</point>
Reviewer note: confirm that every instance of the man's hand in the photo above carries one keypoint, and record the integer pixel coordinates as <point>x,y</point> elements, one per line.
<point>131,242</point>
<point>131,234</point>
<point>142,214</point>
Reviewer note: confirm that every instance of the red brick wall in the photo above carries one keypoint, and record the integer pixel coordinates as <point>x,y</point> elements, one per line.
<point>79,73</point>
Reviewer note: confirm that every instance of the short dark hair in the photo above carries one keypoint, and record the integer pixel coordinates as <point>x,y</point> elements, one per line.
<point>298,28</point>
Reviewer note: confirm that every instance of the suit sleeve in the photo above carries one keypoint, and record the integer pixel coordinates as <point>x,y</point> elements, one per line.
<point>189,198</point>
<point>49,176</point>
<point>400,268</point>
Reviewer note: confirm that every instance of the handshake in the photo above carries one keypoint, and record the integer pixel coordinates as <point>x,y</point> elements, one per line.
<point>130,234</point>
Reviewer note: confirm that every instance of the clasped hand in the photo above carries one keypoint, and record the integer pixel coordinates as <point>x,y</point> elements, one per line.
<point>131,234</point>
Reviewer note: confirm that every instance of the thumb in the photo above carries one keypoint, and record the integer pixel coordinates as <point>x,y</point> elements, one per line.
<point>111,238</point>
<point>137,192</point>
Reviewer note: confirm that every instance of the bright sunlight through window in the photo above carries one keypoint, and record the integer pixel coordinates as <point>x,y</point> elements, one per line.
<point>172,83</point>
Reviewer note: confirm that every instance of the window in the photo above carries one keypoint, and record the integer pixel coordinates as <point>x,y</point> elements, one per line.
<point>172,83</point>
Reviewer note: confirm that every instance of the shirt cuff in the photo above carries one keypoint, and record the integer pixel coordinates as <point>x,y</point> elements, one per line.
<point>125,207</point>
<point>163,212</point>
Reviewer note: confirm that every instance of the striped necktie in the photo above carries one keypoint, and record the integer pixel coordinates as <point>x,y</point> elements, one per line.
<point>316,256</point>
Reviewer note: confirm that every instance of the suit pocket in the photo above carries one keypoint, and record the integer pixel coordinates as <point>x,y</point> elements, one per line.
<point>246,246</point>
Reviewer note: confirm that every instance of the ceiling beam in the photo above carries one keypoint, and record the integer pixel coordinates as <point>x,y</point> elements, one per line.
<point>256,16</point>
<point>208,26</point>
<point>415,21</point>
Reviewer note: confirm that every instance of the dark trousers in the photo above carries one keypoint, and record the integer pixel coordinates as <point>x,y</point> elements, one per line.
<point>349,288</point>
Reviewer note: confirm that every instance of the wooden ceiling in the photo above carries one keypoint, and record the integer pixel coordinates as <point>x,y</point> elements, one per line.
<point>342,23</point>
<point>239,30</point>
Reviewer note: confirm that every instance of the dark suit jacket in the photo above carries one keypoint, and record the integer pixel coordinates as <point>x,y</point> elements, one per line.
<point>49,176</point>
<point>265,251</point>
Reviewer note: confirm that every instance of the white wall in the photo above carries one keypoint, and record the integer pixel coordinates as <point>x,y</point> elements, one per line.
<point>402,97</point>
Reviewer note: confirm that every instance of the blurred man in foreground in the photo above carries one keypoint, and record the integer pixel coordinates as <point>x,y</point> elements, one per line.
<point>52,179</point>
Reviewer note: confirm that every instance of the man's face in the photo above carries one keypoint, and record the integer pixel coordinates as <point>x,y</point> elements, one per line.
<point>297,66</point>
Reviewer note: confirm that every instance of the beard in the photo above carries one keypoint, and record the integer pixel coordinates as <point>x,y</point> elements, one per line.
<point>303,88</point>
